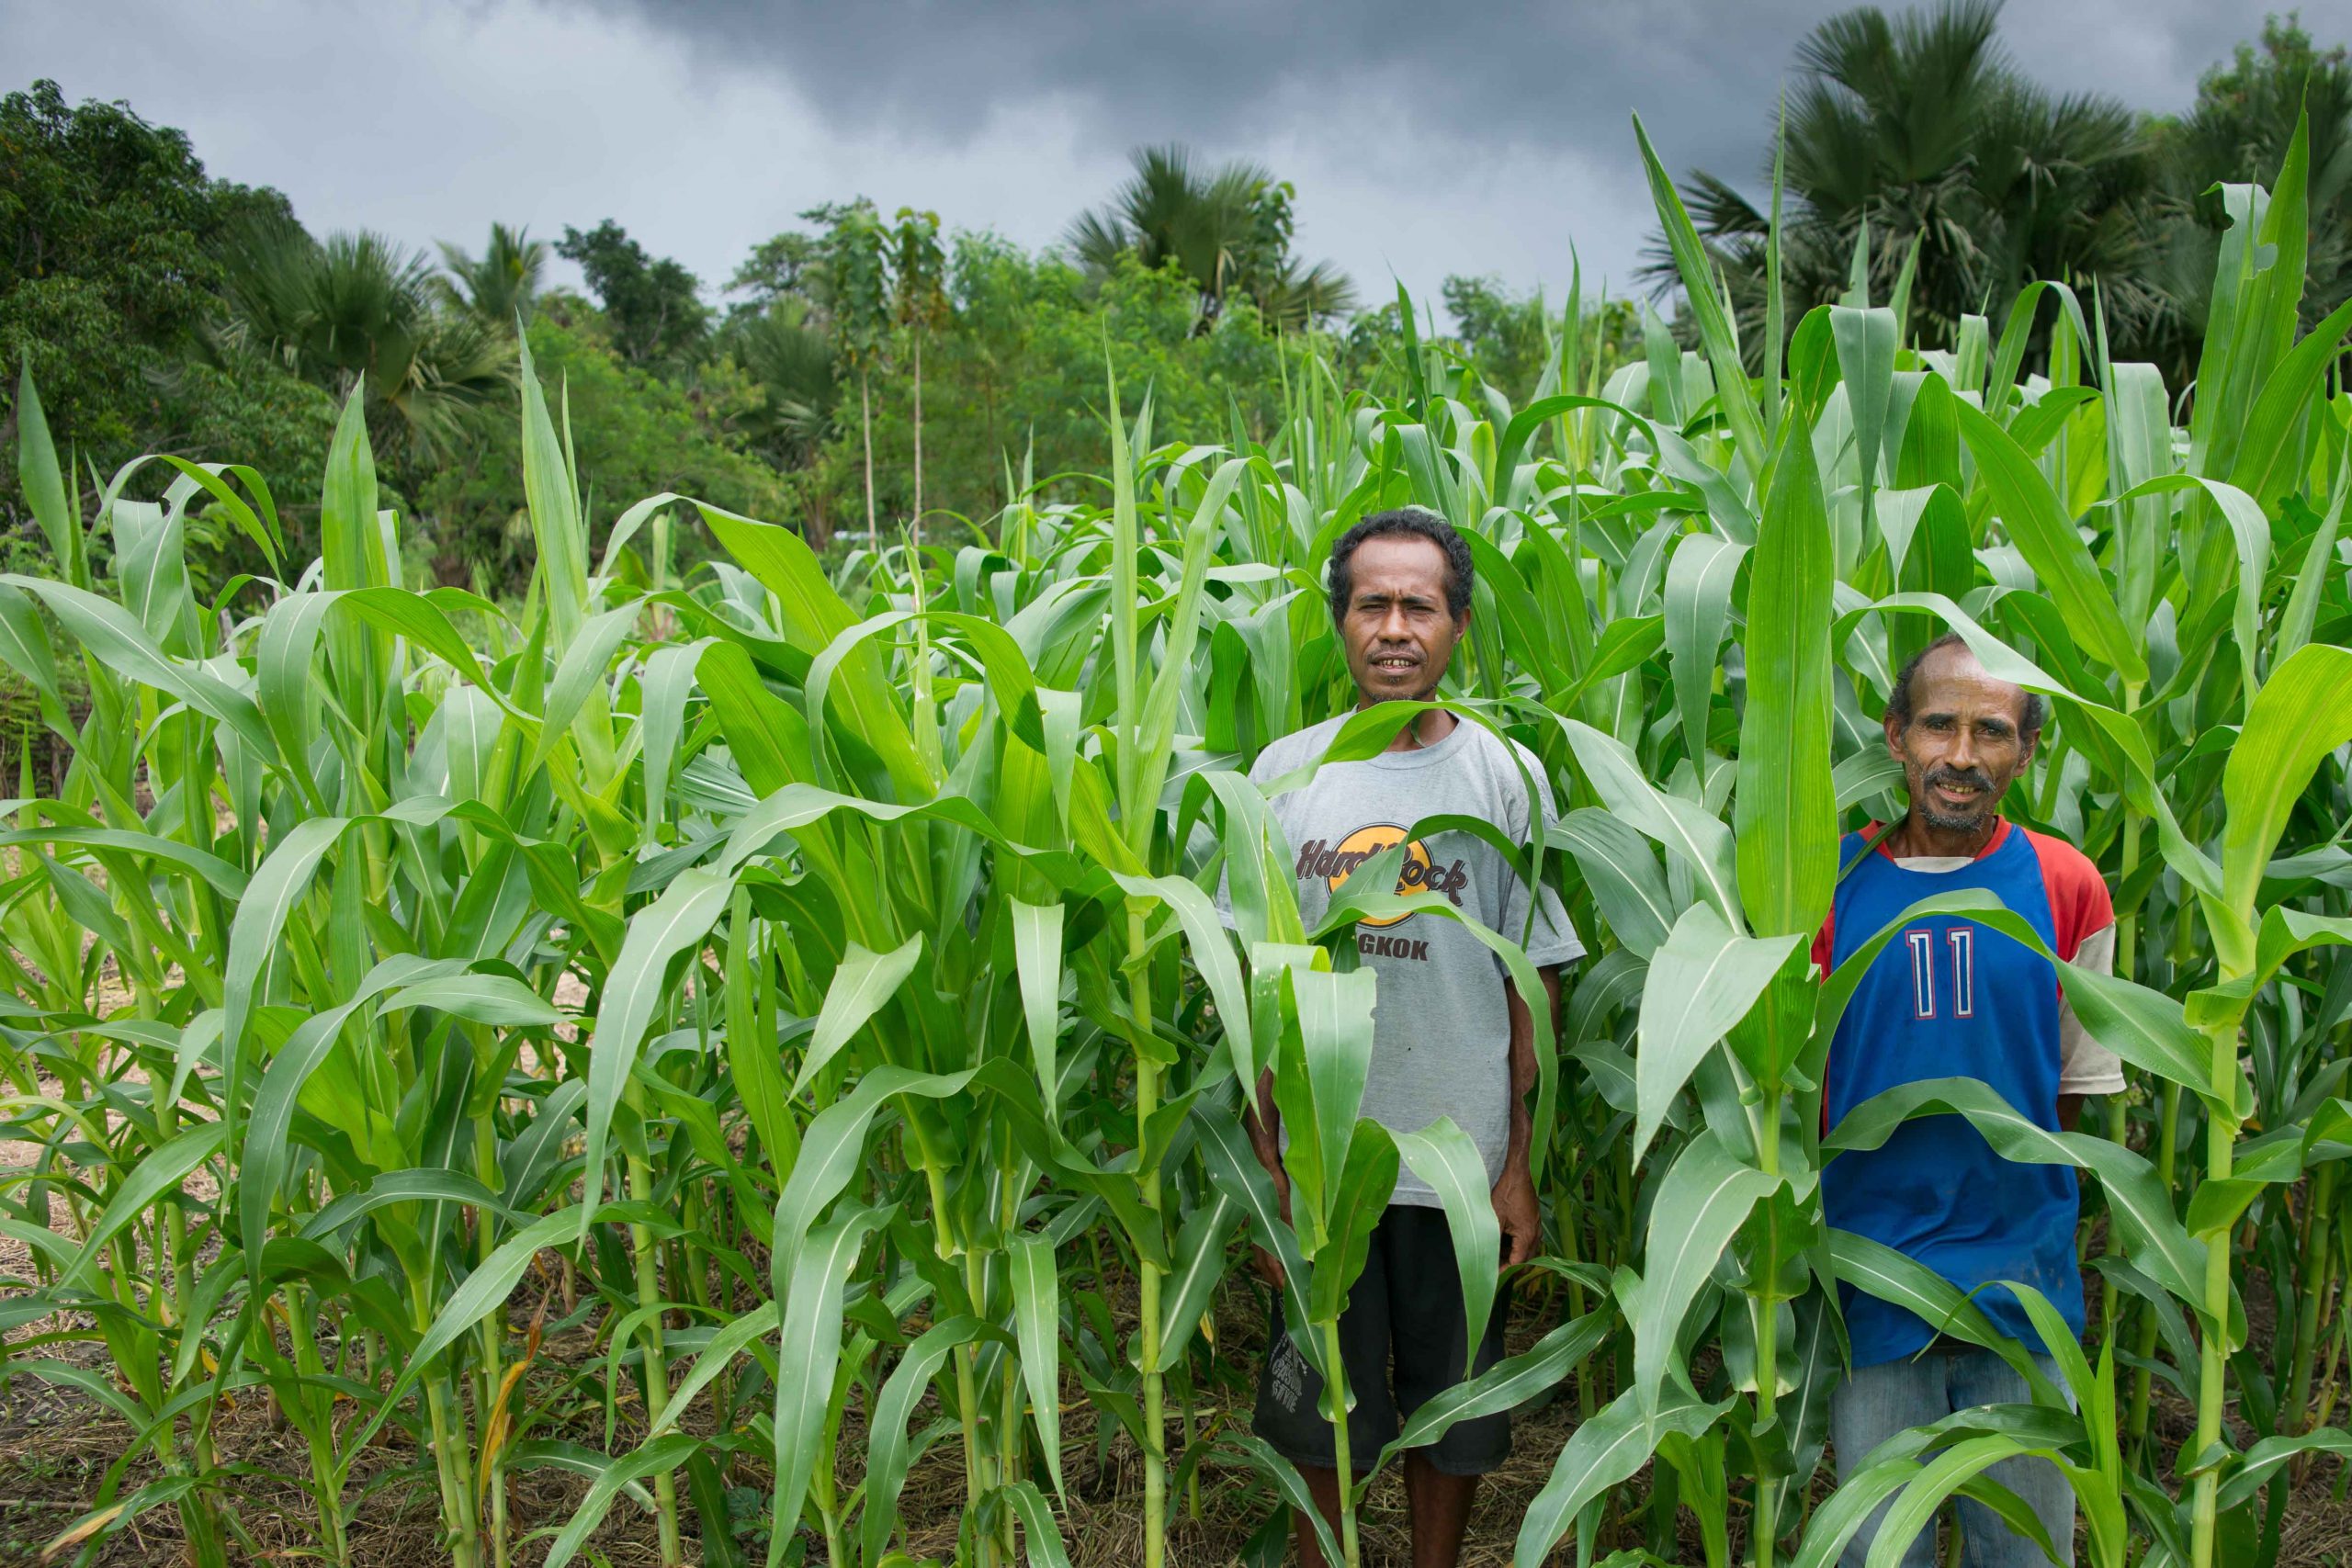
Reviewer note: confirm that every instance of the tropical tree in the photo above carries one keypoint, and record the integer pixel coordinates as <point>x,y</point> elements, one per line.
<point>502,284</point>
<point>919,272</point>
<point>2238,131</point>
<point>857,263</point>
<point>357,309</point>
<point>652,303</point>
<point>1917,159</point>
<point>789,354</point>
<point>788,265</point>
<point>1227,229</point>
<point>111,266</point>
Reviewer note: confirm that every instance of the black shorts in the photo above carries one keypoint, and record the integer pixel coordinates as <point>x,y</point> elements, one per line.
<point>1405,1309</point>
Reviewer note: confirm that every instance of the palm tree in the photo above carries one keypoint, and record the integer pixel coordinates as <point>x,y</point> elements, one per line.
<point>358,306</point>
<point>2236,133</point>
<point>503,284</point>
<point>1919,129</point>
<point>1227,229</point>
<point>790,354</point>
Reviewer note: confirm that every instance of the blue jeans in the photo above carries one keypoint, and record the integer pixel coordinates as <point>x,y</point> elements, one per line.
<point>1875,1403</point>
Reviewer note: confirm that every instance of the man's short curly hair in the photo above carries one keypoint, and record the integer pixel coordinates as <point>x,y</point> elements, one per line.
<point>2031,716</point>
<point>1410,522</point>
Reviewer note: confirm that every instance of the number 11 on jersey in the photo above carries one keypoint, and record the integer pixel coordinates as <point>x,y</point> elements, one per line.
<point>1921,942</point>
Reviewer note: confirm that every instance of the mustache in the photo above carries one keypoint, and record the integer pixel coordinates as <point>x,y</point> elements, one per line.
<point>1975,777</point>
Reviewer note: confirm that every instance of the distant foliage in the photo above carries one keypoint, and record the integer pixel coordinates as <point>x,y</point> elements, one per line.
<point>111,266</point>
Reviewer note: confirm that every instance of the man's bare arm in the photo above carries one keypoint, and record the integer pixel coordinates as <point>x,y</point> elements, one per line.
<point>1522,1061</point>
<point>1264,1124</point>
<point>1514,1195</point>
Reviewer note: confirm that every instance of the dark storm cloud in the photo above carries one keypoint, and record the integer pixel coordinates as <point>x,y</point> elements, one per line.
<point>1425,140</point>
<point>1704,73</point>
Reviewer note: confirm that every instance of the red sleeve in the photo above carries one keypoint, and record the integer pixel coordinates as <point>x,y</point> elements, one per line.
<point>1825,941</point>
<point>2079,905</point>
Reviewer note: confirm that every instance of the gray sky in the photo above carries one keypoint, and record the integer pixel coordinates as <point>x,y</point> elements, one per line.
<point>1424,140</point>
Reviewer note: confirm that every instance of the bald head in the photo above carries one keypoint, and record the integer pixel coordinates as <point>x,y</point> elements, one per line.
<point>1950,654</point>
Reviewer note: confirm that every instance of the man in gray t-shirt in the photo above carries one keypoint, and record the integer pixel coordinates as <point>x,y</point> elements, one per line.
<point>1451,1035</point>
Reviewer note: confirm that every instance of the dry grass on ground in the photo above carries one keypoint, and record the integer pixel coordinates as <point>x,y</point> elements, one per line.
<point>56,1445</point>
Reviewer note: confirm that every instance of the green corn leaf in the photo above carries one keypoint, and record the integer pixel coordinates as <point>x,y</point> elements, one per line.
<point>639,990</point>
<point>861,984</point>
<point>1866,342</point>
<point>425,1185</point>
<point>498,1002</point>
<point>1036,1314</point>
<point>1603,1452</point>
<point>1191,1285</point>
<point>1705,1198</point>
<point>112,636</point>
<point>557,528</point>
<point>2264,465</point>
<point>1037,964</point>
<point>658,1456</point>
<point>1914,1506</point>
<point>1623,873</point>
<point>1445,1159</point>
<point>1877,1270</point>
<point>2303,714</point>
<point>161,1172</point>
<point>832,1150</point>
<point>1715,329</point>
<point>891,1453</point>
<point>1040,1536</point>
<point>1253,1453</point>
<point>1696,837</point>
<point>1506,1385</point>
<point>45,484</point>
<point>1232,1166</point>
<point>1698,608</point>
<point>2263,1460</point>
<point>585,659</point>
<point>1335,1032</point>
<point>2138,1203</point>
<point>24,647</point>
<point>2042,532</point>
<point>484,1292</point>
<point>1357,1198</point>
<point>267,1153</point>
<point>808,1346</point>
<point>1702,980</point>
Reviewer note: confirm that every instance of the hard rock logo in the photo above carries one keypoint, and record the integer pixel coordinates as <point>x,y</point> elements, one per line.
<point>1336,862</point>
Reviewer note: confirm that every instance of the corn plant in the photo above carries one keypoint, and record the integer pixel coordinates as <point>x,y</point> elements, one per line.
<point>810,985</point>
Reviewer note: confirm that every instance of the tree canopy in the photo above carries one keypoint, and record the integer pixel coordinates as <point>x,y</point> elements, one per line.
<point>160,307</point>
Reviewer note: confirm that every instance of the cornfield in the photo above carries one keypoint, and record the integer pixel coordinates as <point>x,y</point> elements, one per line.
<point>811,986</point>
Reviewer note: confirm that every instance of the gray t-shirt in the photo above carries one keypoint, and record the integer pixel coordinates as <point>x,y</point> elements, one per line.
<point>1442,1026</point>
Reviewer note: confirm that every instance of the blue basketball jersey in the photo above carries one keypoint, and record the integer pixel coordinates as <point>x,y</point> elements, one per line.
<point>1947,997</point>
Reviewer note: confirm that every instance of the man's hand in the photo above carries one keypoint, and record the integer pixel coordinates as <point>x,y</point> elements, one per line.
<point>1523,1220</point>
<point>1514,1195</point>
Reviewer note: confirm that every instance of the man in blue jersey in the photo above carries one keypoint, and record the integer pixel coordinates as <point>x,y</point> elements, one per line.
<point>1951,999</point>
